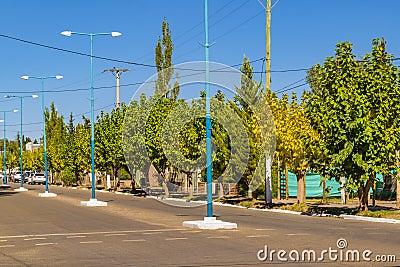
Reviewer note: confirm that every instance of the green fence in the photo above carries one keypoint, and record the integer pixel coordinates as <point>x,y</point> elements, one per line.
<point>314,185</point>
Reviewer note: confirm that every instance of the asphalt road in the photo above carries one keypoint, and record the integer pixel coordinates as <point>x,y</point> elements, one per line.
<point>137,231</point>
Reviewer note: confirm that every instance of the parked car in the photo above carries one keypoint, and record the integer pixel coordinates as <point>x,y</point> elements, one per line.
<point>37,178</point>
<point>17,177</point>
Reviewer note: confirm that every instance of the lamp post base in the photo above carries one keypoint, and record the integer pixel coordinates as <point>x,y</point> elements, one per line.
<point>94,203</point>
<point>4,186</point>
<point>21,189</point>
<point>210,223</point>
<point>47,194</point>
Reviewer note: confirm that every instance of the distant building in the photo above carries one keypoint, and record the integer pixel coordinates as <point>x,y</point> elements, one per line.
<point>31,146</point>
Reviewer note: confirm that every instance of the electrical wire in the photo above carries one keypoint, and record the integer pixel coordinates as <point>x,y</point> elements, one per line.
<point>178,37</point>
<point>283,88</point>
<point>291,88</point>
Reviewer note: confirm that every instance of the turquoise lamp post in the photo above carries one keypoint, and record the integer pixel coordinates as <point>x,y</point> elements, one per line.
<point>92,201</point>
<point>208,117</point>
<point>58,77</point>
<point>20,139</point>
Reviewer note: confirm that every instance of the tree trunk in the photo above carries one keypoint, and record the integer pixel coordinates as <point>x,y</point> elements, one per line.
<point>374,194</point>
<point>165,187</point>
<point>115,179</point>
<point>363,193</point>
<point>250,193</point>
<point>189,180</point>
<point>343,190</point>
<point>398,194</point>
<point>324,189</point>
<point>268,188</point>
<point>220,190</point>
<point>286,182</point>
<point>398,181</point>
<point>301,186</point>
<point>279,181</point>
<point>133,183</point>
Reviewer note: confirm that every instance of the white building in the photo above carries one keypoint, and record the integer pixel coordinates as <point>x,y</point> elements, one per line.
<point>31,146</point>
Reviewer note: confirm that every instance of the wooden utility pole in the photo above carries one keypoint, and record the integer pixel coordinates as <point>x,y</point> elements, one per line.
<point>268,46</point>
<point>268,158</point>
<point>397,181</point>
<point>117,73</point>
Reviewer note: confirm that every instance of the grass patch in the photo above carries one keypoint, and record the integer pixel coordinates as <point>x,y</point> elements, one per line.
<point>388,214</point>
<point>249,203</point>
<point>303,207</point>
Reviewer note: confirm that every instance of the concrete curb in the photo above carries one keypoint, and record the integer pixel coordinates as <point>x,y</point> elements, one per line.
<point>369,219</point>
<point>279,211</point>
<point>346,217</point>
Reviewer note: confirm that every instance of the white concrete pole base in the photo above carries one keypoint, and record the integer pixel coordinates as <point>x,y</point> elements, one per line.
<point>94,203</point>
<point>47,194</point>
<point>209,223</point>
<point>21,189</point>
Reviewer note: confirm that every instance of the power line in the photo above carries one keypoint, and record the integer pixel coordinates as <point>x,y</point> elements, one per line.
<point>178,37</point>
<point>283,88</point>
<point>75,52</point>
<point>115,60</point>
<point>291,88</point>
<point>239,25</point>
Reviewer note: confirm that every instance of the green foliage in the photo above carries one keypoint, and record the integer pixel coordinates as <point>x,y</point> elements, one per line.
<point>165,68</point>
<point>296,140</point>
<point>82,146</point>
<point>354,107</point>
<point>108,136</point>
<point>56,133</point>
<point>248,91</point>
<point>68,177</point>
<point>33,160</point>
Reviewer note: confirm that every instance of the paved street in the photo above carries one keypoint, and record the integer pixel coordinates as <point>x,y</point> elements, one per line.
<point>135,231</point>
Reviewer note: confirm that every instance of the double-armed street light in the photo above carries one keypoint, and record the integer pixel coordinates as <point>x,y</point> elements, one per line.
<point>58,77</point>
<point>20,138</point>
<point>93,201</point>
<point>5,144</point>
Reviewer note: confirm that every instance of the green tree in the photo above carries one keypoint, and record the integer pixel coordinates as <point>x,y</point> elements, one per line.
<point>296,140</point>
<point>33,160</point>
<point>82,146</point>
<point>56,133</point>
<point>248,92</point>
<point>109,141</point>
<point>354,106</point>
<point>71,171</point>
<point>134,136</point>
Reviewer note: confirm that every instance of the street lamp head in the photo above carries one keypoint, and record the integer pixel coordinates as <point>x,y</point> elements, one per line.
<point>116,34</point>
<point>58,77</point>
<point>7,96</point>
<point>35,96</point>
<point>16,110</point>
<point>25,77</point>
<point>66,33</point>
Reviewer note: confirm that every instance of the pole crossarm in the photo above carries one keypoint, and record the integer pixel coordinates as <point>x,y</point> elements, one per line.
<point>117,73</point>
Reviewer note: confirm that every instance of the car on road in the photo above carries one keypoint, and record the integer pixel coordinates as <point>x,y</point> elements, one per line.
<point>17,177</point>
<point>37,178</point>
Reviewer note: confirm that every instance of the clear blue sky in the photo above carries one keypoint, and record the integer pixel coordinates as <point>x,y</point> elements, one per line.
<point>302,33</point>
